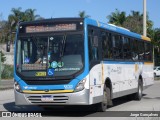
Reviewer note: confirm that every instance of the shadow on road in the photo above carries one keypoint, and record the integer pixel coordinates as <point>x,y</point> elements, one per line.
<point>123,100</point>
<point>158,98</point>
<point>68,111</point>
<point>11,107</point>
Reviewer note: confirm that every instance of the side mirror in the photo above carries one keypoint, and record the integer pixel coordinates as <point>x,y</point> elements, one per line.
<point>8,44</point>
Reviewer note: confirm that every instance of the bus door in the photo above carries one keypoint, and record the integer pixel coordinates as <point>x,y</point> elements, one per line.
<point>95,67</point>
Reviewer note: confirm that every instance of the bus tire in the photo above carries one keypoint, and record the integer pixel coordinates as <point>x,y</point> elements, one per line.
<point>102,106</point>
<point>138,95</point>
<point>155,75</point>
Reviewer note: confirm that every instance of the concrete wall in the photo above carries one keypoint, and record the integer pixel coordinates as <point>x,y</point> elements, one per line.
<point>8,55</point>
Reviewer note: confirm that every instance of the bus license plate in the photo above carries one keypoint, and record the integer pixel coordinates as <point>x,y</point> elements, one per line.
<point>47,99</point>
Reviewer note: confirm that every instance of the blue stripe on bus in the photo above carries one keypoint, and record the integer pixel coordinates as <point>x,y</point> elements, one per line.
<point>120,62</point>
<point>24,86</point>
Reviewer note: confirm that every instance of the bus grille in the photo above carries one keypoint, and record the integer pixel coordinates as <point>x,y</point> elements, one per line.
<point>56,99</point>
<point>47,82</point>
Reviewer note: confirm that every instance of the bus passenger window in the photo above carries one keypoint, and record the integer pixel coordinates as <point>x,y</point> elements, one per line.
<point>93,48</point>
<point>104,46</point>
<point>126,48</point>
<point>107,45</point>
<point>117,47</point>
<point>148,53</point>
<point>141,50</point>
<point>134,50</point>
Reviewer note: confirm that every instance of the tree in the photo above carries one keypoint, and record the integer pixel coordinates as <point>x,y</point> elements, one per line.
<point>15,17</point>
<point>3,58</point>
<point>82,14</point>
<point>3,29</point>
<point>134,22</point>
<point>117,18</point>
<point>30,15</point>
<point>18,15</point>
<point>154,34</point>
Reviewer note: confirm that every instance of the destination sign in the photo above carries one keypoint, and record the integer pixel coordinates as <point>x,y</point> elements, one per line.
<point>50,28</point>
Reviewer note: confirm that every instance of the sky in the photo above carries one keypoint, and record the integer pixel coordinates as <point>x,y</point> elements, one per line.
<point>97,9</point>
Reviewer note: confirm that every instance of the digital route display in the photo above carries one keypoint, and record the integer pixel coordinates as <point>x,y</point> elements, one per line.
<point>50,28</point>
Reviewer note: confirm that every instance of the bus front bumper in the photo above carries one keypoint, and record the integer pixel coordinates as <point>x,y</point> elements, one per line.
<point>74,98</point>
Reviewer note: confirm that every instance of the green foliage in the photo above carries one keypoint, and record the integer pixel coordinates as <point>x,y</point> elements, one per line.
<point>133,21</point>
<point>16,16</point>
<point>82,14</point>
<point>19,15</point>
<point>117,17</point>
<point>3,58</point>
<point>154,34</point>
<point>7,72</point>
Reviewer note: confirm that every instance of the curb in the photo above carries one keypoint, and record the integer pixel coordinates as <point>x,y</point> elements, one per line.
<point>6,84</point>
<point>5,88</point>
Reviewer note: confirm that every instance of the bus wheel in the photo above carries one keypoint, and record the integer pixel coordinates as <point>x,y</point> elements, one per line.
<point>139,93</point>
<point>106,95</point>
<point>154,74</point>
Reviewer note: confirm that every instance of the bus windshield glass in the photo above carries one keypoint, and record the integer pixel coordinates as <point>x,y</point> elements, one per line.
<point>57,55</point>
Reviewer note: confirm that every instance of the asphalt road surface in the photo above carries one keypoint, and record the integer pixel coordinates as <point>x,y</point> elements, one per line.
<point>149,102</point>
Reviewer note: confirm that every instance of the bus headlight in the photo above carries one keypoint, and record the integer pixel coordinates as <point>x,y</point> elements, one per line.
<point>80,85</point>
<point>17,87</point>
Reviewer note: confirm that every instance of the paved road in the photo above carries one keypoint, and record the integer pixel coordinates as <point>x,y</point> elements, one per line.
<point>150,102</point>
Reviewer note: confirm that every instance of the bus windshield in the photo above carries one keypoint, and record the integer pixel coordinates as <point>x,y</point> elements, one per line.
<point>61,55</point>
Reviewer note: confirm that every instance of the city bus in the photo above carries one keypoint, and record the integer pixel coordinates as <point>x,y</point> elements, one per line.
<point>79,61</point>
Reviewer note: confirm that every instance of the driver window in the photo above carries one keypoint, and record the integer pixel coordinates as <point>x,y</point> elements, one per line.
<point>93,47</point>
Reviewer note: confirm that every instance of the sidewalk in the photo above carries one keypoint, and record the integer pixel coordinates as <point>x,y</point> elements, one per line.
<point>6,84</point>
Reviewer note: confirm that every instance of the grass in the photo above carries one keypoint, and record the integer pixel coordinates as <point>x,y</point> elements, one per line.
<point>7,72</point>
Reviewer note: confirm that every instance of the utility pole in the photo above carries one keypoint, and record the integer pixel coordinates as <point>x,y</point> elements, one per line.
<point>144,18</point>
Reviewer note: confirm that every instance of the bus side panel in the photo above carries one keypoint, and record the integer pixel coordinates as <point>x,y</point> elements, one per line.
<point>148,77</point>
<point>96,84</point>
<point>110,71</point>
<point>125,75</point>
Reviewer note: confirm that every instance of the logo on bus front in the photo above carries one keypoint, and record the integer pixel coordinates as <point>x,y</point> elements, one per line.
<point>54,64</point>
<point>40,74</point>
<point>68,86</point>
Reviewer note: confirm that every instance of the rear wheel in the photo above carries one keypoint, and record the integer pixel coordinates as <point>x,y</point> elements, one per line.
<point>106,97</point>
<point>154,74</point>
<point>138,95</point>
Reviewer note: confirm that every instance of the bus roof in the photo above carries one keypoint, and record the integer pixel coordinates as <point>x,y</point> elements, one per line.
<point>53,20</point>
<point>90,21</point>
<point>115,28</point>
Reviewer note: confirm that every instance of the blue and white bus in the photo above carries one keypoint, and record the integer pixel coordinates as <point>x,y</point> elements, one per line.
<point>79,61</point>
